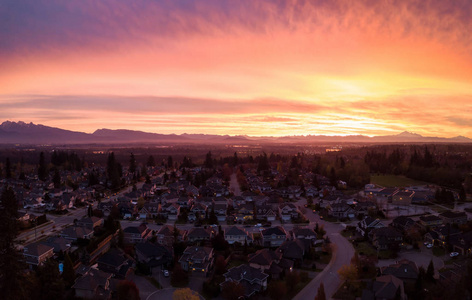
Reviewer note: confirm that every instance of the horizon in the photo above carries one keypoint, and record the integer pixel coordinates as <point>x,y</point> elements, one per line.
<point>260,69</point>
<point>403,133</point>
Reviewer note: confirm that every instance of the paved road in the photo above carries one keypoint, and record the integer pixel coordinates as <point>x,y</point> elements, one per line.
<point>234,185</point>
<point>342,254</point>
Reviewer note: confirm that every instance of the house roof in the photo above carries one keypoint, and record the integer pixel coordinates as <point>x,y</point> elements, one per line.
<point>292,249</point>
<point>403,269</point>
<point>386,287</point>
<point>91,280</point>
<point>277,230</point>
<point>265,257</point>
<point>453,214</point>
<point>234,230</point>
<point>36,249</point>
<point>112,258</point>
<point>245,273</point>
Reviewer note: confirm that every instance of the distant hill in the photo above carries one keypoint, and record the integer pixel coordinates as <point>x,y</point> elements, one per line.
<point>29,133</point>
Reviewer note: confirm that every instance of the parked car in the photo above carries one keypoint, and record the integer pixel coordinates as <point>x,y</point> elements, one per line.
<point>454,254</point>
<point>429,246</point>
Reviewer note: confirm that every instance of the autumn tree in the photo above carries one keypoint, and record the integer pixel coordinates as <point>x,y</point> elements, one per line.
<point>232,290</point>
<point>127,290</point>
<point>320,295</point>
<point>185,294</point>
<point>348,273</point>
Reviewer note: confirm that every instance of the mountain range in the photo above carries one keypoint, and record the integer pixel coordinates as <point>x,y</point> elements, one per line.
<point>34,134</point>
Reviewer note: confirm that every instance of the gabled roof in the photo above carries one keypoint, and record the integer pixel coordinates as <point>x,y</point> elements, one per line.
<point>403,269</point>
<point>234,230</point>
<point>278,230</point>
<point>386,287</point>
<point>36,249</point>
<point>245,273</point>
<point>265,257</point>
<point>91,280</point>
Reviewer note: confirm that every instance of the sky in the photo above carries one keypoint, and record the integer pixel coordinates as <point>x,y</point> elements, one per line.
<point>259,68</point>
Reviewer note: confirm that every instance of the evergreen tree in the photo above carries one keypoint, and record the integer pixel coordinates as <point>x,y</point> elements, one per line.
<point>114,171</point>
<point>8,168</point>
<point>208,161</point>
<point>320,295</point>
<point>51,283</point>
<point>132,163</point>
<point>56,179</point>
<point>150,161</point>
<point>430,271</point>
<point>42,169</point>
<point>69,273</point>
<point>235,159</point>
<point>10,260</point>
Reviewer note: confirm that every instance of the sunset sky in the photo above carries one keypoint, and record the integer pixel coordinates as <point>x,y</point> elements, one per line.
<point>239,67</point>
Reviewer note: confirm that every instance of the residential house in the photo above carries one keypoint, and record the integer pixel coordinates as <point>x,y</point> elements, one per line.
<point>170,210</point>
<point>235,234</point>
<point>274,236</point>
<point>270,262</point>
<point>404,269</point>
<point>167,233</point>
<point>37,253</point>
<point>430,221</point>
<point>402,223</point>
<point>341,210</point>
<point>368,224</point>
<point>136,234</point>
<point>74,233</point>
<point>220,210</point>
<point>442,235</point>
<point>115,262</point>
<point>453,217</point>
<point>265,212</point>
<point>149,210</point>
<point>154,255</point>
<point>288,211</point>
<point>197,259</point>
<point>94,284</point>
<point>253,280</point>
<point>463,243</point>
<point>294,250</point>
<point>89,222</point>
<point>59,244</point>
<point>386,287</point>
<point>402,197</point>
<point>244,212</point>
<point>386,238</point>
<point>200,234</point>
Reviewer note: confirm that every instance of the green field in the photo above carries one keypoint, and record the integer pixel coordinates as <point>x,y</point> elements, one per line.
<point>394,181</point>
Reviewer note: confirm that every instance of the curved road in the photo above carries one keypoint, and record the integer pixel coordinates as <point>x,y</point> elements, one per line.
<point>342,254</point>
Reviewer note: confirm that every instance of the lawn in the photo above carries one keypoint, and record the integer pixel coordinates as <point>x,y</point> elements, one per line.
<point>394,181</point>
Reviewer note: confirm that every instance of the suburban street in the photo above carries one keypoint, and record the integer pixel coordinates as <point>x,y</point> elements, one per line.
<point>342,254</point>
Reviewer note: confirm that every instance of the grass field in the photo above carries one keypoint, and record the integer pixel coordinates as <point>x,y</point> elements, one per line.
<point>394,181</point>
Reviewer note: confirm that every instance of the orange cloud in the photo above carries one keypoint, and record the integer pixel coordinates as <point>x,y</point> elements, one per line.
<point>290,67</point>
